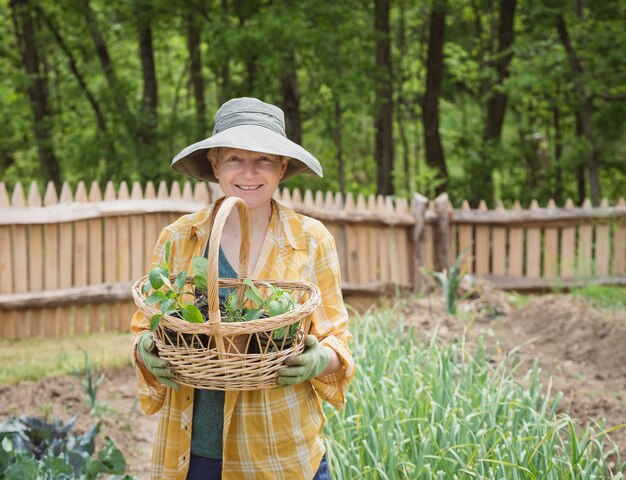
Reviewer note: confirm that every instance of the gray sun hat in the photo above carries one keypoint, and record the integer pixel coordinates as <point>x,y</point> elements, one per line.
<point>249,124</point>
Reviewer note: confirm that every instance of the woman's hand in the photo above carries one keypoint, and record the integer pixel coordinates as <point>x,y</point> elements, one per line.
<point>306,366</point>
<point>155,365</point>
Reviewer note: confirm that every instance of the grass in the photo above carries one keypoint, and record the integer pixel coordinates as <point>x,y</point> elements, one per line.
<point>432,411</point>
<point>602,296</point>
<point>37,358</point>
<point>518,300</point>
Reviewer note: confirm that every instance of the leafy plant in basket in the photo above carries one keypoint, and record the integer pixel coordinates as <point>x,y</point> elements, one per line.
<point>237,307</point>
<point>169,295</point>
<point>277,302</point>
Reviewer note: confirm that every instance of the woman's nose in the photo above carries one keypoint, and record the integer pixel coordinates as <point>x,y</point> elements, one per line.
<point>248,168</point>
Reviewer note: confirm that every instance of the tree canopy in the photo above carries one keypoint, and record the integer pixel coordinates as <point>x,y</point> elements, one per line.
<point>485,99</point>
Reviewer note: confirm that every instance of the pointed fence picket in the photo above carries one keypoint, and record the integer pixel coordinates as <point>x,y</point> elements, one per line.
<point>544,247</point>
<point>68,259</point>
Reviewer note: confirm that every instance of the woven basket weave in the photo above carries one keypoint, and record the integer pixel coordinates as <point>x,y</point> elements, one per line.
<point>220,355</point>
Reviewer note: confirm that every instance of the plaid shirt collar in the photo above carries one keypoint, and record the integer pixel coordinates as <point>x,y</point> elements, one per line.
<point>284,229</point>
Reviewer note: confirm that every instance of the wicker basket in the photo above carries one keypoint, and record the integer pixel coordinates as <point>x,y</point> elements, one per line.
<point>220,355</point>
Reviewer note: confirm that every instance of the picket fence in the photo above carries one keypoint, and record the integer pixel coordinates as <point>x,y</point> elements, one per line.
<point>67,260</point>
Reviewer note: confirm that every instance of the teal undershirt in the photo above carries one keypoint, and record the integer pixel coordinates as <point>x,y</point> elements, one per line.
<point>208,405</point>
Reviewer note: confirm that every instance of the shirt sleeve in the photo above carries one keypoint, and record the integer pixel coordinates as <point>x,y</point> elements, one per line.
<point>329,323</point>
<point>151,392</point>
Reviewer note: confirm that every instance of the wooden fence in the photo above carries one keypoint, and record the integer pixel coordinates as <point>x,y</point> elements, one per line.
<point>543,248</point>
<point>67,261</point>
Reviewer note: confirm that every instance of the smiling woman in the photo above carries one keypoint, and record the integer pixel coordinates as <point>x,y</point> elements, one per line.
<point>252,176</point>
<point>211,434</point>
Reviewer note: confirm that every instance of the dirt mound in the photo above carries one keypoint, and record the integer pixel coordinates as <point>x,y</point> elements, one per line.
<point>573,330</point>
<point>580,349</point>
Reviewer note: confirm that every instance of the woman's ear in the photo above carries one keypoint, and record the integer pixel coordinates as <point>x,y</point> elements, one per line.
<point>284,165</point>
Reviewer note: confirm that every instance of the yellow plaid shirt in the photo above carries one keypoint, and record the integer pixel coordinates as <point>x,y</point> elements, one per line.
<point>271,433</point>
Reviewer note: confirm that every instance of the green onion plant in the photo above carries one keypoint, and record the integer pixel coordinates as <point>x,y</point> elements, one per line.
<point>427,410</point>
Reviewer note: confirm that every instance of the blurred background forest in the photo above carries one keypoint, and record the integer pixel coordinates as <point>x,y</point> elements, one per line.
<point>484,99</point>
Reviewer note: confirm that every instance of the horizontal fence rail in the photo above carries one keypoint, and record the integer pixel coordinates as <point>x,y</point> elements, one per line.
<point>68,260</point>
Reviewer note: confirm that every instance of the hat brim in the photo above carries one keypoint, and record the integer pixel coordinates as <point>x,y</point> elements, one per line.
<point>192,161</point>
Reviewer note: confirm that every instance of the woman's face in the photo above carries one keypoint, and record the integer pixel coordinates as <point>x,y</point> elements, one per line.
<point>251,176</point>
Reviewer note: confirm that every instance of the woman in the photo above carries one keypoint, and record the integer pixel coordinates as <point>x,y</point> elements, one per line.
<point>270,433</point>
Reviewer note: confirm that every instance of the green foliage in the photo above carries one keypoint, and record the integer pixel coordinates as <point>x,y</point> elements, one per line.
<point>450,280</point>
<point>32,448</point>
<point>248,304</point>
<point>254,304</point>
<point>611,297</point>
<point>89,378</point>
<point>428,410</point>
<point>249,48</point>
<point>170,295</point>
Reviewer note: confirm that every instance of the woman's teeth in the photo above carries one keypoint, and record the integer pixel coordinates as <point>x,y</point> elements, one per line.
<point>249,187</point>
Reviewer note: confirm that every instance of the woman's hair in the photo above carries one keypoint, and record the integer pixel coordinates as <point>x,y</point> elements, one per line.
<point>213,154</point>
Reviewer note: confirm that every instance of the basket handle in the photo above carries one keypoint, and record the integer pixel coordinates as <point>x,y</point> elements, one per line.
<point>214,251</point>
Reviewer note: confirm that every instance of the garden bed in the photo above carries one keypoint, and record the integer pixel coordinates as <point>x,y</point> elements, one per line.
<point>578,345</point>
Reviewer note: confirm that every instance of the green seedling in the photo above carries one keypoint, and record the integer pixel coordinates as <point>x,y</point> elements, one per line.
<point>278,302</point>
<point>169,295</point>
<point>90,379</point>
<point>450,279</point>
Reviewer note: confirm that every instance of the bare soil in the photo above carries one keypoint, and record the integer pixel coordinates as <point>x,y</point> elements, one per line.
<point>580,350</point>
<point>580,347</point>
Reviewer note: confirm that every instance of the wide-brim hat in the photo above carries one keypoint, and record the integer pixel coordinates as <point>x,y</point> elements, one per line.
<point>249,124</point>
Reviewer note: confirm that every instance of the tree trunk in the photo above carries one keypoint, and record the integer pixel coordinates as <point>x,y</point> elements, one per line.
<point>581,174</point>
<point>558,153</point>
<point>496,104</point>
<point>584,113</point>
<point>384,92</point>
<point>402,104</point>
<point>101,49</point>
<point>32,58</point>
<point>195,73</point>
<point>224,86</point>
<point>102,52</point>
<point>291,102</point>
<point>430,104</point>
<point>245,10</point>
<point>148,120</point>
<point>497,99</point>
<point>73,64</point>
<point>339,145</point>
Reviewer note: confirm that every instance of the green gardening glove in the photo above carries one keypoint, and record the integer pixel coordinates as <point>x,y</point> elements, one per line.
<point>306,366</point>
<point>155,365</point>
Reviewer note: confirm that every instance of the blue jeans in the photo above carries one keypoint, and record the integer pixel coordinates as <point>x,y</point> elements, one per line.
<point>201,468</point>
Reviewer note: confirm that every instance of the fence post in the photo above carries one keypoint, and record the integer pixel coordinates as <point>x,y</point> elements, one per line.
<point>441,238</point>
<point>418,209</point>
